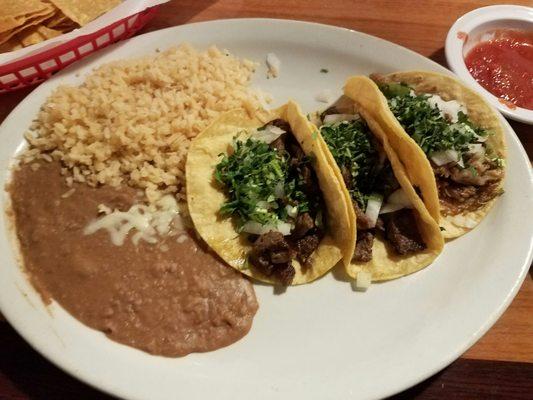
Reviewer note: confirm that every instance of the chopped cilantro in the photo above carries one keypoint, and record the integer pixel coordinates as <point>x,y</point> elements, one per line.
<point>354,149</point>
<point>254,175</point>
<point>425,124</point>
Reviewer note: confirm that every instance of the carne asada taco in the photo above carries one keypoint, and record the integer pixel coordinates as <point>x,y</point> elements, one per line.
<point>457,131</point>
<point>395,233</point>
<point>260,194</point>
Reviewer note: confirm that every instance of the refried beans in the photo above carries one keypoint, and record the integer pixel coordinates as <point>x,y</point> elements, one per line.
<point>169,299</point>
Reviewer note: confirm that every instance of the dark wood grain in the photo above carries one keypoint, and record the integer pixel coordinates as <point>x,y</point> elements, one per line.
<point>476,380</point>
<point>420,26</point>
<point>24,374</point>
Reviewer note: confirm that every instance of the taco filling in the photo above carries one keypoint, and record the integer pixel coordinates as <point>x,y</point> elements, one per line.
<point>380,204</point>
<point>273,194</point>
<point>467,170</point>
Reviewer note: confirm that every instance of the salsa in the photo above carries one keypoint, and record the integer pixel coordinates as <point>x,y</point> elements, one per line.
<point>504,66</point>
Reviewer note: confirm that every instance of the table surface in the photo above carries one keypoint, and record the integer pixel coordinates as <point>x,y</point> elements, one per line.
<point>499,366</point>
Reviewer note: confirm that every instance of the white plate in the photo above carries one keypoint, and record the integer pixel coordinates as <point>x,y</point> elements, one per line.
<point>317,341</point>
<point>472,28</point>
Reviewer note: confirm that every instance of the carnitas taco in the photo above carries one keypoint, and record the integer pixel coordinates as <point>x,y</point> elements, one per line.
<point>433,115</point>
<point>259,192</point>
<point>395,234</point>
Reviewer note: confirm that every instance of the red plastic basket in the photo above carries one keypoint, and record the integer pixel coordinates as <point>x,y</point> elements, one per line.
<point>39,67</point>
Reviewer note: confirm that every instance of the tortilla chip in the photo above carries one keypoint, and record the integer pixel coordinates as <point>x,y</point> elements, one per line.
<point>56,19</point>
<point>84,11</point>
<point>48,33</point>
<point>479,111</point>
<point>30,36</point>
<point>34,20</point>
<point>11,45</point>
<point>16,12</point>
<point>204,196</point>
<point>67,26</point>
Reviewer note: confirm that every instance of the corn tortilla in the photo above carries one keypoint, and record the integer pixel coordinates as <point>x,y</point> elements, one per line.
<point>479,111</point>
<point>204,196</point>
<point>385,263</point>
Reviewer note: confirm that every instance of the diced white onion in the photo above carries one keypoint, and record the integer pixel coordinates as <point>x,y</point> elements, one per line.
<point>261,205</point>
<point>269,134</point>
<point>292,211</point>
<point>388,208</point>
<point>285,228</point>
<point>447,108</point>
<point>396,201</point>
<point>444,157</point>
<point>480,138</point>
<point>325,96</point>
<point>256,228</point>
<point>476,148</point>
<point>273,64</point>
<point>372,208</point>
<point>363,281</point>
<point>334,118</point>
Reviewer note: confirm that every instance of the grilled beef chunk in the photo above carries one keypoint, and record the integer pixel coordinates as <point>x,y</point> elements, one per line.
<point>463,190</point>
<point>297,154</point>
<point>282,124</point>
<point>309,179</point>
<point>279,143</point>
<point>286,275</point>
<point>346,177</point>
<point>480,173</point>
<point>363,246</point>
<point>304,223</point>
<point>402,232</point>
<point>456,198</point>
<point>380,225</point>
<point>329,111</point>
<point>363,222</point>
<point>271,254</point>
<point>306,245</point>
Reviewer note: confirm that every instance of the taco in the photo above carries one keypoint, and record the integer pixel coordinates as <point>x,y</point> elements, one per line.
<point>395,233</point>
<point>435,116</point>
<point>259,192</point>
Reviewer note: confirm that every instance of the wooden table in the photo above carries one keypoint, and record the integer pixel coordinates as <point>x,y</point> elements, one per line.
<point>499,366</point>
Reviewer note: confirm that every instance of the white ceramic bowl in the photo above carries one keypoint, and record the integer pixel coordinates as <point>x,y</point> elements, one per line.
<point>473,28</point>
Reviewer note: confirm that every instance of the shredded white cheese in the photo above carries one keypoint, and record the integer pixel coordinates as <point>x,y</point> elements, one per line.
<point>148,222</point>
